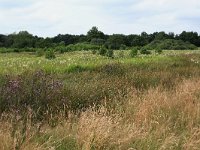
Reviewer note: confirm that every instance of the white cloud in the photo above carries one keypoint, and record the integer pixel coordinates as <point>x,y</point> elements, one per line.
<point>50,17</point>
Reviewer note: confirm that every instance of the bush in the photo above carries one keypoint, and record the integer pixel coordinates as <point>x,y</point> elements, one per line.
<point>110,53</point>
<point>94,51</point>
<point>170,44</point>
<point>122,47</point>
<point>6,50</point>
<point>62,49</point>
<point>80,47</point>
<point>102,51</point>
<point>50,54</point>
<point>121,54</point>
<point>17,50</point>
<point>28,49</point>
<point>133,52</point>
<point>158,51</point>
<point>97,41</point>
<point>40,52</point>
<point>144,51</point>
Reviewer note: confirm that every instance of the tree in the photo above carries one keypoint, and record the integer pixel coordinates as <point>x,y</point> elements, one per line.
<point>191,37</point>
<point>66,38</point>
<point>44,43</point>
<point>97,41</point>
<point>161,36</point>
<point>94,33</point>
<point>115,41</point>
<point>144,38</point>
<point>129,40</point>
<point>23,39</point>
<point>2,40</point>
<point>137,41</point>
<point>171,35</point>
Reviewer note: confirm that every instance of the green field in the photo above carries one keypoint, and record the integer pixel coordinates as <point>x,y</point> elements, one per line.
<point>81,100</point>
<point>17,63</point>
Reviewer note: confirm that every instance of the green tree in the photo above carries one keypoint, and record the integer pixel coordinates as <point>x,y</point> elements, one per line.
<point>191,37</point>
<point>161,36</point>
<point>96,41</point>
<point>115,41</point>
<point>94,33</point>
<point>23,39</point>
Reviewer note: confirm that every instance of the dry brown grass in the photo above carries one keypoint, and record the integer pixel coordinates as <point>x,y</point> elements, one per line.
<point>170,116</point>
<point>193,140</point>
<point>101,130</point>
<point>157,118</point>
<point>5,137</point>
<point>12,142</point>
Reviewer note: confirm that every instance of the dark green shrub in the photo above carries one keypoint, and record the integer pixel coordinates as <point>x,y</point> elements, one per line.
<point>121,54</point>
<point>102,51</point>
<point>17,50</point>
<point>62,49</point>
<point>28,49</point>
<point>50,54</point>
<point>110,53</point>
<point>40,52</point>
<point>133,52</point>
<point>80,47</point>
<point>6,50</point>
<point>97,41</point>
<point>170,44</point>
<point>94,51</point>
<point>137,47</point>
<point>144,51</point>
<point>122,47</point>
<point>158,50</point>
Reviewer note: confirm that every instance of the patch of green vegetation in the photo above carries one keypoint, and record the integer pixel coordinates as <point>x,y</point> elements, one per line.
<point>50,54</point>
<point>170,44</point>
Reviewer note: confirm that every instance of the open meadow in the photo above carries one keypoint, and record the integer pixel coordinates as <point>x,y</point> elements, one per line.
<point>84,101</point>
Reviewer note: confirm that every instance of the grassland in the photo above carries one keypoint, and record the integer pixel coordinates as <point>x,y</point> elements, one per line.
<point>85,101</point>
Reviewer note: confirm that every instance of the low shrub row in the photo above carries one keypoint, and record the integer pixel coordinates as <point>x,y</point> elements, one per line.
<point>170,44</point>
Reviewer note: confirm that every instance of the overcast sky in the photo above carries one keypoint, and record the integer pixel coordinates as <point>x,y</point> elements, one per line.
<point>51,17</point>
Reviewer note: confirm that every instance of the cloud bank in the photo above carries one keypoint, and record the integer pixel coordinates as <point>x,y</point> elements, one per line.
<point>51,17</point>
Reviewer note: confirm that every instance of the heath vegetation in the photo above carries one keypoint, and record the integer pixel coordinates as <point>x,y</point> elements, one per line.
<point>82,100</point>
<point>98,91</point>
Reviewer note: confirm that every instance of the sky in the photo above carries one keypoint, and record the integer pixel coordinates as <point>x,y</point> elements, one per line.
<point>48,18</point>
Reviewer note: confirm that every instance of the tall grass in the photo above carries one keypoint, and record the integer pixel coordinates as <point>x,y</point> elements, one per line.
<point>155,119</point>
<point>145,105</point>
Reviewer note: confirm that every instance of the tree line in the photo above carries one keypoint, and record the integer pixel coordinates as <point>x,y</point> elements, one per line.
<point>94,37</point>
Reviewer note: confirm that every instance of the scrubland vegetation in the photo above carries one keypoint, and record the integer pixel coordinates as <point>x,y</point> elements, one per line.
<point>98,91</point>
<point>84,100</point>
